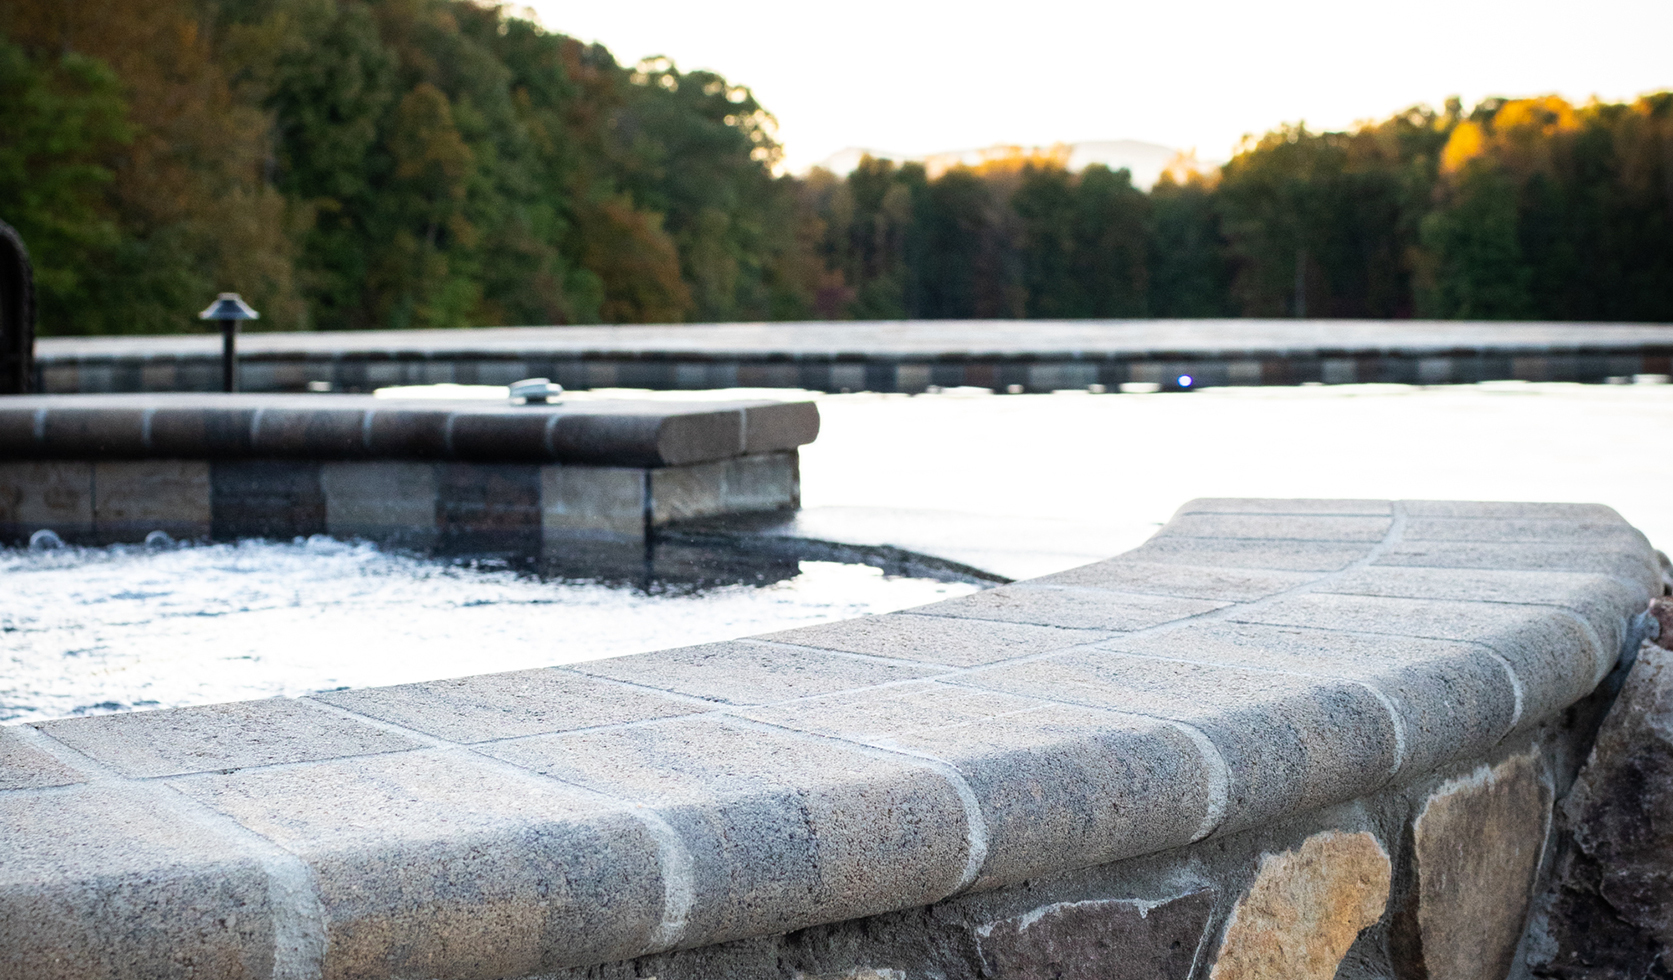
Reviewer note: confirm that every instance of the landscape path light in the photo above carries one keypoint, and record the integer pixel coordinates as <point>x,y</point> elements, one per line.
<point>227,310</point>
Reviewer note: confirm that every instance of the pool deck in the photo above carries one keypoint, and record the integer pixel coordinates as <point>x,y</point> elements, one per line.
<point>1034,355</point>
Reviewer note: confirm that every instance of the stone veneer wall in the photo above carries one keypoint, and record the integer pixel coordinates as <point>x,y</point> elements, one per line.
<point>1282,739</point>
<point>419,474</point>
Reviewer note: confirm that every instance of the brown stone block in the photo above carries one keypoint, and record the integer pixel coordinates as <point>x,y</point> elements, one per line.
<point>1305,909</point>
<point>132,499</point>
<point>1476,848</point>
<point>52,494</point>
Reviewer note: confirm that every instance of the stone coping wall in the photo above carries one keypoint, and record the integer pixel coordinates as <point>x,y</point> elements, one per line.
<point>457,475</point>
<point>1282,739</point>
<point>354,427</point>
<point>905,356</point>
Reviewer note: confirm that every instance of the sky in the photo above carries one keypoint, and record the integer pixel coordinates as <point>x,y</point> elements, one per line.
<point>914,77</point>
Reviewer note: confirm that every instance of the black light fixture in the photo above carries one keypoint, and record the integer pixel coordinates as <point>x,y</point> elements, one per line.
<point>227,310</point>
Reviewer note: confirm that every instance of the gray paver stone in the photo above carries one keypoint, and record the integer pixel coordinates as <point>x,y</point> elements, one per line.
<point>220,736</point>
<point>508,705</point>
<point>1455,699</point>
<point>784,830</point>
<point>1076,608</point>
<point>98,883</point>
<point>1058,785</point>
<point>1289,742</point>
<point>936,639</point>
<point>22,766</point>
<point>750,673</point>
<point>439,864</point>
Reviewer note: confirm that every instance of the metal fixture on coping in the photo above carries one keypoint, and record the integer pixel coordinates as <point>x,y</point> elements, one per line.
<point>227,310</point>
<point>535,391</point>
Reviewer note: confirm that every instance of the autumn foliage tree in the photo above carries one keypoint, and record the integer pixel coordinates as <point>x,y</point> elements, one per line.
<point>352,164</point>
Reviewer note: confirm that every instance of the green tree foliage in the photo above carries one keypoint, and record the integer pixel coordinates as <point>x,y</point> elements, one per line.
<point>439,163</point>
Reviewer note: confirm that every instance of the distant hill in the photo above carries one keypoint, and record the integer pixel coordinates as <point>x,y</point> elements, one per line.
<point>1146,161</point>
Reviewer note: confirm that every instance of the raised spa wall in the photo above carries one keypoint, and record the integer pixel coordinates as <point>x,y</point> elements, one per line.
<point>458,475</point>
<point>1284,739</point>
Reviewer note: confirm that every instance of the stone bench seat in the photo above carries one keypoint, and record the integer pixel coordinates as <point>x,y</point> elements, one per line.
<point>1255,662</point>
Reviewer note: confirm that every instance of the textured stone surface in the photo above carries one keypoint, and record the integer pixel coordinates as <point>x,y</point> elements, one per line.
<point>99,883</point>
<point>1288,742</point>
<point>1057,785</point>
<point>1296,556</point>
<point>1075,608</point>
<point>1476,847</point>
<point>1454,699</point>
<point>783,830</point>
<point>1282,505</point>
<point>509,705</point>
<point>266,498</point>
<point>22,766</point>
<point>438,865</point>
<point>599,503</point>
<point>1631,564</point>
<point>1605,603</point>
<point>1555,657</point>
<point>1305,909</point>
<point>748,484</point>
<point>751,673</point>
<point>1277,527</point>
<point>52,494</point>
<point>937,639</point>
<point>131,499</point>
<point>1174,579</point>
<point>383,500</point>
<point>1514,529</point>
<point>220,736</point>
<point>1609,908</point>
<point>1109,939</point>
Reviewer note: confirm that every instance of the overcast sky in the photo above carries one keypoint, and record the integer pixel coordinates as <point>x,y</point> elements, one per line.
<point>917,77</point>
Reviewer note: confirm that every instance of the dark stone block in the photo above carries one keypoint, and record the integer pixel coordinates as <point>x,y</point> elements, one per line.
<point>93,433</point>
<point>17,432</point>
<point>263,498</point>
<point>407,434</point>
<point>488,507</point>
<point>1609,910</point>
<point>519,434</point>
<point>1111,939</point>
<point>195,432</point>
<point>309,433</point>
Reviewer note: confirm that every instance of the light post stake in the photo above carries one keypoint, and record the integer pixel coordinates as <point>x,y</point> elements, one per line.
<point>226,311</point>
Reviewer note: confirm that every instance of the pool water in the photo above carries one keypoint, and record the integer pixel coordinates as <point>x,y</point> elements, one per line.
<point>88,630</point>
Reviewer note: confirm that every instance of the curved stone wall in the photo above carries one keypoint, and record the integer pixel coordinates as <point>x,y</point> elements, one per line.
<point>1281,739</point>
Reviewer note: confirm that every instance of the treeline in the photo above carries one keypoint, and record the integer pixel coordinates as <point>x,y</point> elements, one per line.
<point>438,163</point>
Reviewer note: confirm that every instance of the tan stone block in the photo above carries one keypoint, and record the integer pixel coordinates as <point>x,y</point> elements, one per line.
<point>386,501</point>
<point>53,494</point>
<point>602,503</point>
<point>132,499</point>
<point>1477,846</point>
<point>683,493</point>
<point>1305,909</point>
